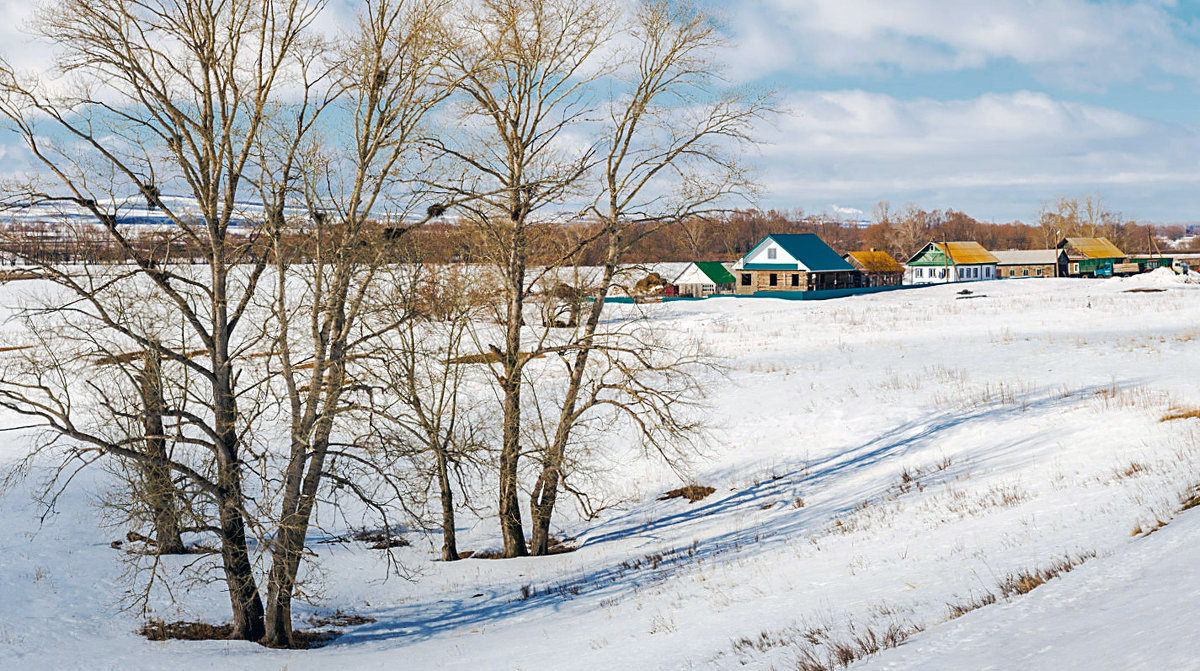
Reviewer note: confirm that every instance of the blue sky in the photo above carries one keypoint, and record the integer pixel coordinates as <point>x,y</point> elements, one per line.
<point>993,107</point>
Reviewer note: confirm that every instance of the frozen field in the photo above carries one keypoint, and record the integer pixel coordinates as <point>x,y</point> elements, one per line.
<point>878,461</point>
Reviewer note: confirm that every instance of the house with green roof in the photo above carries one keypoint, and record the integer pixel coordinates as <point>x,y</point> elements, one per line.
<point>704,278</point>
<point>792,262</point>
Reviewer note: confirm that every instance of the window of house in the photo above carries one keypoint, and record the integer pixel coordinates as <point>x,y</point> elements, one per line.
<point>796,280</point>
<point>770,252</point>
<point>745,279</point>
<point>774,280</point>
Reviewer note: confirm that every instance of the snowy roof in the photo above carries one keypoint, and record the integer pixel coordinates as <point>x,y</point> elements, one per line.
<point>1027,257</point>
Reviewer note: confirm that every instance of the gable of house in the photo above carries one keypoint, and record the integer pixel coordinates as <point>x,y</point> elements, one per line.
<point>705,272</point>
<point>962,253</point>
<point>794,251</point>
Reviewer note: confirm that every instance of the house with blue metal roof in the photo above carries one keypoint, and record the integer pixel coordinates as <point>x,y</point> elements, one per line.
<point>792,262</point>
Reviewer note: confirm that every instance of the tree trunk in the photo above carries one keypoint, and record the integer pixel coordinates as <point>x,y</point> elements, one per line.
<point>545,493</point>
<point>510,504</point>
<point>541,508</point>
<point>244,597</point>
<point>281,584</point>
<point>449,541</point>
<point>160,489</point>
<point>239,573</point>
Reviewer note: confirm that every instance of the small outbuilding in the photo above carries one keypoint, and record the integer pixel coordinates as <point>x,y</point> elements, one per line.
<point>944,262</point>
<point>875,268</point>
<point>1092,257</point>
<point>704,278</point>
<point>1027,263</point>
<point>792,262</point>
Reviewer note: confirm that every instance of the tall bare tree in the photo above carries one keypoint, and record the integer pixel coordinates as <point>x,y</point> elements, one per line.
<point>382,87</point>
<point>669,155</point>
<point>522,70</point>
<point>156,96</point>
<point>424,380</point>
<point>564,110</point>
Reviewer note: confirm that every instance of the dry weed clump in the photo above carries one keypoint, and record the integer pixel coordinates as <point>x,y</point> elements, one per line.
<point>1115,397</point>
<point>1016,584</point>
<point>1130,470</point>
<point>1181,413</point>
<point>1022,582</point>
<point>961,503</point>
<point>957,610</point>
<point>692,493</point>
<point>819,648</point>
<point>1190,498</point>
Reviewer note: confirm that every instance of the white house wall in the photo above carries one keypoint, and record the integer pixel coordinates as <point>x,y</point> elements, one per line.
<point>964,273</point>
<point>692,275</point>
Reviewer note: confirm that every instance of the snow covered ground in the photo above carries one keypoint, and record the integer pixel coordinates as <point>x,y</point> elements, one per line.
<point>876,460</point>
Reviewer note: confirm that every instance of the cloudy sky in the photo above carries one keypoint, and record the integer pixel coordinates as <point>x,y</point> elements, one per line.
<point>993,107</point>
<point>989,106</point>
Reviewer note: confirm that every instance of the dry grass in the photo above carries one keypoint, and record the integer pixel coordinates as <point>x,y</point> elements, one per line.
<point>339,618</point>
<point>157,630</point>
<point>692,493</point>
<point>1129,471</point>
<point>1190,498</point>
<point>489,358</point>
<point>818,648</point>
<point>1024,582</point>
<point>957,610</point>
<point>1181,413</point>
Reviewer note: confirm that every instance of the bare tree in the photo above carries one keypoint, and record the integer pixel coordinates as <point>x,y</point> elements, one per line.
<point>383,87</point>
<point>565,112</point>
<point>669,156</point>
<point>423,377</point>
<point>522,71</point>
<point>162,96</point>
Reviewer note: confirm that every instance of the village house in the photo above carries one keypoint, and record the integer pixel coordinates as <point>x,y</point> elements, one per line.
<point>792,262</point>
<point>875,268</point>
<point>1027,263</point>
<point>1092,257</point>
<point>704,278</point>
<point>943,262</point>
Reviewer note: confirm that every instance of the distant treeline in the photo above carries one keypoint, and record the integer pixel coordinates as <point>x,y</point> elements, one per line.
<point>723,237</point>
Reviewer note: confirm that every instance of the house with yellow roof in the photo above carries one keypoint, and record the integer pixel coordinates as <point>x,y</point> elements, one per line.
<point>1092,257</point>
<point>944,262</point>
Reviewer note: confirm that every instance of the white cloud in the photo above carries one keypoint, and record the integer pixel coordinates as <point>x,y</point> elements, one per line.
<point>859,147</point>
<point>1074,41</point>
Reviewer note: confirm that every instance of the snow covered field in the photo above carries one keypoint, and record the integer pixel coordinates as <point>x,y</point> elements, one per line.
<point>876,460</point>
